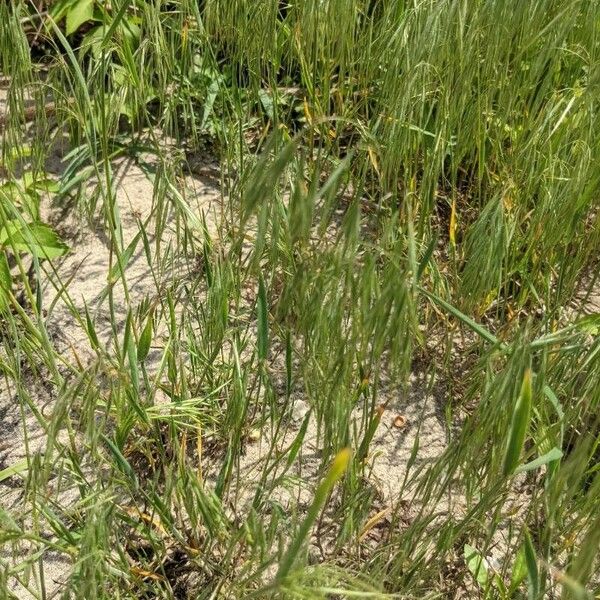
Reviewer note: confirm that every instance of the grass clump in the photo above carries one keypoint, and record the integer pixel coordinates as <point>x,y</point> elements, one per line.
<point>299,299</point>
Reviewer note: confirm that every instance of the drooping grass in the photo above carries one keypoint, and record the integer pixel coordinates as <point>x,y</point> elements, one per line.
<point>404,186</point>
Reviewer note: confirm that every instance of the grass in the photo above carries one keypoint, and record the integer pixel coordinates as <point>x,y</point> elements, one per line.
<point>406,188</point>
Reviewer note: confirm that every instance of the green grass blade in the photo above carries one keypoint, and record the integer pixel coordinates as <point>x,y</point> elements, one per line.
<point>336,471</point>
<point>518,426</point>
<point>263,320</point>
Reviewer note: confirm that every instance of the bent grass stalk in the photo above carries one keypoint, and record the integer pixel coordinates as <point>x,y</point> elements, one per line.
<point>336,471</point>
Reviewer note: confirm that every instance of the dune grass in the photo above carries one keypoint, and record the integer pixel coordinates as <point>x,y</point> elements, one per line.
<point>405,186</point>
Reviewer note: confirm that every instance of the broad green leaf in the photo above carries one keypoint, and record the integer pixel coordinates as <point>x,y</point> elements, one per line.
<point>6,231</point>
<point>518,426</point>
<point>30,201</point>
<point>10,193</point>
<point>130,28</point>
<point>211,96</point>
<point>59,8</point>
<point>476,565</point>
<point>80,12</point>
<point>92,41</point>
<point>36,238</point>
<point>46,184</point>
<point>267,102</point>
<point>14,153</point>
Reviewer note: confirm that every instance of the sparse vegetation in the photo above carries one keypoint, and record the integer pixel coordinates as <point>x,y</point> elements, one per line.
<point>340,339</point>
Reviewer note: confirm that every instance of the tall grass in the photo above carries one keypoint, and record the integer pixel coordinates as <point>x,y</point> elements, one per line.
<point>405,186</point>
